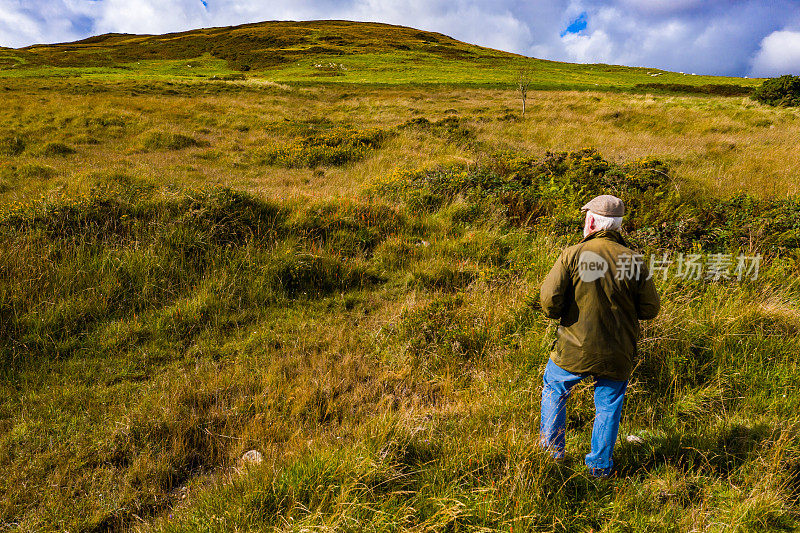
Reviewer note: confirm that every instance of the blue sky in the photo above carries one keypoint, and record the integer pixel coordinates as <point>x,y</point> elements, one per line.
<point>727,37</point>
<point>576,25</point>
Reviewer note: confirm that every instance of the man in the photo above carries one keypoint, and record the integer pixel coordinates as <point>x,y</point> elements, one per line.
<point>598,289</point>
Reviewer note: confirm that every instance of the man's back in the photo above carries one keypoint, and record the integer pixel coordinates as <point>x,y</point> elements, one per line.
<point>598,289</point>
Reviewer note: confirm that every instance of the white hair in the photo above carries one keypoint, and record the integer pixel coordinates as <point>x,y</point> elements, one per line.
<point>603,222</point>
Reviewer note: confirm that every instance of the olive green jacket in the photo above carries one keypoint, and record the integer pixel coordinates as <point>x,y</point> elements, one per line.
<point>598,293</point>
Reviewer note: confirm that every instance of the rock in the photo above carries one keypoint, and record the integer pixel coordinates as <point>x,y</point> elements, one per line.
<point>634,439</point>
<point>253,457</point>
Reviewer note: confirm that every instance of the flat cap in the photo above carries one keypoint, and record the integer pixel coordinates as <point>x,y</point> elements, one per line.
<point>606,205</point>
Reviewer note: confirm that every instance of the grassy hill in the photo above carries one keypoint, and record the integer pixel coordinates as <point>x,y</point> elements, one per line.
<point>338,268</point>
<point>317,51</point>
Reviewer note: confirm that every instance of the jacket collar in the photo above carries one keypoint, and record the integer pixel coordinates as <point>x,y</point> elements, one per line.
<point>614,235</point>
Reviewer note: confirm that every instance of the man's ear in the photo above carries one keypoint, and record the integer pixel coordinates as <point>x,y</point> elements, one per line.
<point>591,222</point>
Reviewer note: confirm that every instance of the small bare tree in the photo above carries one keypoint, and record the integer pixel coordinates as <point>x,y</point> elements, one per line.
<point>523,81</point>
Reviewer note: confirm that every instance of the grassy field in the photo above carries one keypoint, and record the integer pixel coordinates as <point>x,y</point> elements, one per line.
<point>338,267</point>
<point>324,52</point>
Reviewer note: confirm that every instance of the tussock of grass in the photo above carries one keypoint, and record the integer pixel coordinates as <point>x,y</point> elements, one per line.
<point>12,145</point>
<point>27,172</point>
<point>450,128</point>
<point>444,331</point>
<point>57,149</point>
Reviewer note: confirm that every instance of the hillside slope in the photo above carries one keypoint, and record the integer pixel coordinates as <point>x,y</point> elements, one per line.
<point>257,46</point>
<point>320,51</point>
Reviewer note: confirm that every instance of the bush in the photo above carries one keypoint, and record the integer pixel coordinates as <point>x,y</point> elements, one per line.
<point>528,189</point>
<point>727,89</point>
<point>783,91</point>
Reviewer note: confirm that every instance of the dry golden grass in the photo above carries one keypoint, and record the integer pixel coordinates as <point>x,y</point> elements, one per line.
<point>303,376</point>
<point>730,144</point>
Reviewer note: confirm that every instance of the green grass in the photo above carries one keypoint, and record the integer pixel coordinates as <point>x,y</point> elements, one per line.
<point>334,52</point>
<point>199,68</point>
<point>400,68</point>
<point>341,272</point>
<point>165,334</point>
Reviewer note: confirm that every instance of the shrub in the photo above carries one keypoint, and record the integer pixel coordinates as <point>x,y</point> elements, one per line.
<point>727,89</point>
<point>783,91</point>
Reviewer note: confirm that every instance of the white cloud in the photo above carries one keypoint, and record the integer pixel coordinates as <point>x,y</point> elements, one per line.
<point>493,25</point>
<point>29,22</point>
<point>150,16</point>
<point>17,28</point>
<point>779,54</point>
<point>593,48</point>
<point>711,37</point>
<point>663,8</point>
<point>660,6</point>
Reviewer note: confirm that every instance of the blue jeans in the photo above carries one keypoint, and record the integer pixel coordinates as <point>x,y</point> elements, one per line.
<point>608,396</point>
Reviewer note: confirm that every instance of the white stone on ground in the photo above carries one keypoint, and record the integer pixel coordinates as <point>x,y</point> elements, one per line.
<point>252,457</point>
